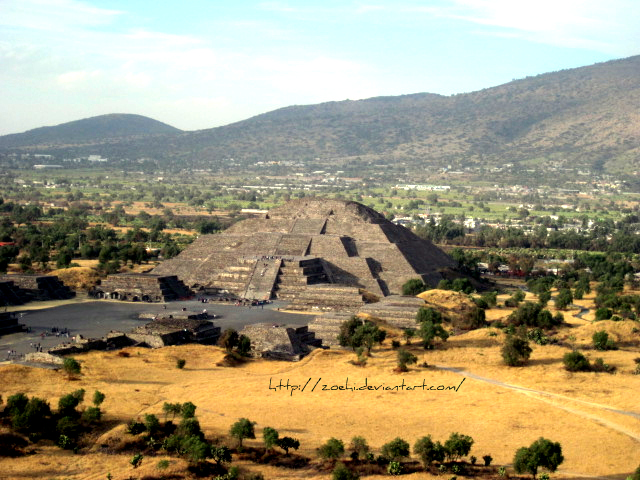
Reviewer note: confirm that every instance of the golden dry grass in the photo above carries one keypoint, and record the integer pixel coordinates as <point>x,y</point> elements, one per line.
<point>595,441</point>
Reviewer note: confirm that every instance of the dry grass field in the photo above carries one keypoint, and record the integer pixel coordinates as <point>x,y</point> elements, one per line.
<point>595,416</point>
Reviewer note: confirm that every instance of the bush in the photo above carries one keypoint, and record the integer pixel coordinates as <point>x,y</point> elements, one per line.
<point>180,363</point>
<point>341,472</point>
<point>92,415</point>
<point>487,459</point>
<point>396,449</point>
<point>413,286</point>
<point>635,475</point>
<point>134,427</point>
<point>516,351</point>
<point>71,367</point>
<point>428,451</point>
<point>601,341</point>
<point>394,468</point>
<point>98,398</point>
<point>603,313</point>
<point>576,362</point>
<point>600,366</point>
<point>333,449</point>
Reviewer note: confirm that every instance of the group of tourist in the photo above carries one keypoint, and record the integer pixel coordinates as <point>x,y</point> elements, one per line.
<point>36,346</point>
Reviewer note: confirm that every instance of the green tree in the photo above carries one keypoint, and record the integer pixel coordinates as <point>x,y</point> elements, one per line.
<point>67,403</point>
<point>356,333</point>
<point>98,398</point>
<point>270,437</point>
<point>563,298</point>
<point>332,449</point>
<point>287,443</point>
<point>242,429</point>
<point>428,332</point>
<point>405,358</point>
<point>457,446</point>
<point>541,453</point>
<point>396,449</point>
<point>151,423</point>
<point>229,339</point>
<point>359,447</point>
<point>220,454</point>
<point>428,451</point>
<point>188,410</point>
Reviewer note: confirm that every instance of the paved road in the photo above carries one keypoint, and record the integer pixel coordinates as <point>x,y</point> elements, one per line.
<point>96,319</point>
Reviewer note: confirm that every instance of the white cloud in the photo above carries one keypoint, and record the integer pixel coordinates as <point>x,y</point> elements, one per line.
<point>608,27</point>
<point>70,80</point>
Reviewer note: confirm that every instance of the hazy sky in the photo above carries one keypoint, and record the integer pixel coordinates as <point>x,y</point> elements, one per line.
<point>203,63</point>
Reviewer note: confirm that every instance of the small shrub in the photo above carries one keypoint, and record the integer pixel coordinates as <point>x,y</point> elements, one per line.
<point>473,460</point>
<point>342,472</point>
<point>487,460</point>
<point>516,351</point>
<point>603,313</point>
<point>136,460</point>
<point>332,449</point>
<point>180,363</point>
<point>395,344</point>
<point>394,468</point>
<point>600,366</point>
<point>405,358</point>
<point>134,427</point>
<point>502,471</point>
<point>601,341</point>
<point>98,398</point>
<point>576,362</point>
<point>71,367</point>
<point>413,286</point>
<point>163,464</point>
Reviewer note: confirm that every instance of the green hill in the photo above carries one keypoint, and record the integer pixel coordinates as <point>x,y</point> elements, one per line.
<point>584,117</point>
<point>88,131</point>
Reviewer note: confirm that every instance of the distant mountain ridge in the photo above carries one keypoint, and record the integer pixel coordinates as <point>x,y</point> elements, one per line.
<point>89,130</point>
<point>587,117</point>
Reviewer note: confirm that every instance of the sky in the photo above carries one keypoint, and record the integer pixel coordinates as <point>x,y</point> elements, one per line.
<point>198,64</point>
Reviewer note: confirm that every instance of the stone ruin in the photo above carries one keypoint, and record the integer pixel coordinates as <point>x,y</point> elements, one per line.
<point>396,310</point>
<point>169,330</point>
<point>141,287</point>
<point>315,253</point>
<point>23,288</point>
<point>9,323</point>
<point>280,342</point>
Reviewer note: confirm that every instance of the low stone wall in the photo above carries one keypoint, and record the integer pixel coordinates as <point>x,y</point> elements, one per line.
<point>43,357</point>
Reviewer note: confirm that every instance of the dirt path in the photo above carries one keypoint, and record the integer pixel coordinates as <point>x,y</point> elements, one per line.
<point>548,397</point>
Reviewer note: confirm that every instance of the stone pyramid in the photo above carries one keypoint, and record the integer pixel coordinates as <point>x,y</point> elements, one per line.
<point>315,245</point>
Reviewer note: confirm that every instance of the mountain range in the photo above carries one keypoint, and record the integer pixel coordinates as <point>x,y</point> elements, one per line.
<point>587,117</point>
